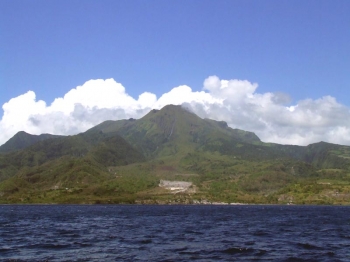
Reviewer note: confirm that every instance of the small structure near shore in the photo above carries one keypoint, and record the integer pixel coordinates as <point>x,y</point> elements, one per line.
<point>176,186</point>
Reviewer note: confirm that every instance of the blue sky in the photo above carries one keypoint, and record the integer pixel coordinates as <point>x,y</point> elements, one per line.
<point>299,48</point>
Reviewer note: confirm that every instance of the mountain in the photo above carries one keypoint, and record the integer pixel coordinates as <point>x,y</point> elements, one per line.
<point>175,130</point>
<point>123,161</point>
<point>97,147</point>
<point>22,140</point>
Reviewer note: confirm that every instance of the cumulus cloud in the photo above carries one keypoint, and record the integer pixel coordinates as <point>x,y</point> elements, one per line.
<point>237,102</point>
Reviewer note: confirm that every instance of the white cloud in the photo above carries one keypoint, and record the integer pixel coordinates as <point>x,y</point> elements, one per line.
<point>235,101</point>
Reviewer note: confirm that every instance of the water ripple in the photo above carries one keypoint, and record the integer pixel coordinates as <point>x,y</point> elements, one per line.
<point>174,233</point>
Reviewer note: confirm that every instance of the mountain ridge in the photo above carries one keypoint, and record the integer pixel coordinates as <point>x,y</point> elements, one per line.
<point>22,140</point>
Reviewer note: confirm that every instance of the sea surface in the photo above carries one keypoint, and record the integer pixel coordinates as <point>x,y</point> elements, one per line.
<point>174,233</point>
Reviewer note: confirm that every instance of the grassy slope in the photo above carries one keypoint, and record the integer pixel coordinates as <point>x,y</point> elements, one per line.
<point>75,160</point>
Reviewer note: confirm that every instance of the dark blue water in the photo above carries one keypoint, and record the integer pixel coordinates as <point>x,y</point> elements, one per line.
<point>174,233</point>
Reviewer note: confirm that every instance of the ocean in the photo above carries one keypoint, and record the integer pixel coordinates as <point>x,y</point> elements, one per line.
<point>174,233</point>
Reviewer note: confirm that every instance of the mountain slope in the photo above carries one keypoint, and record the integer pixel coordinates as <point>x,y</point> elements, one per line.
<point>174,130</point>
<point>100,148</point>
<point>22,140</point>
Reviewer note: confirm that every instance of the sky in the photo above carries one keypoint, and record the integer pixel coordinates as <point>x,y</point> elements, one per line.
<point>278,68</point>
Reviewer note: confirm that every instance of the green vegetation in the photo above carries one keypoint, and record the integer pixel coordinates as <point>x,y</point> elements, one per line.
<point>123,162</point>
